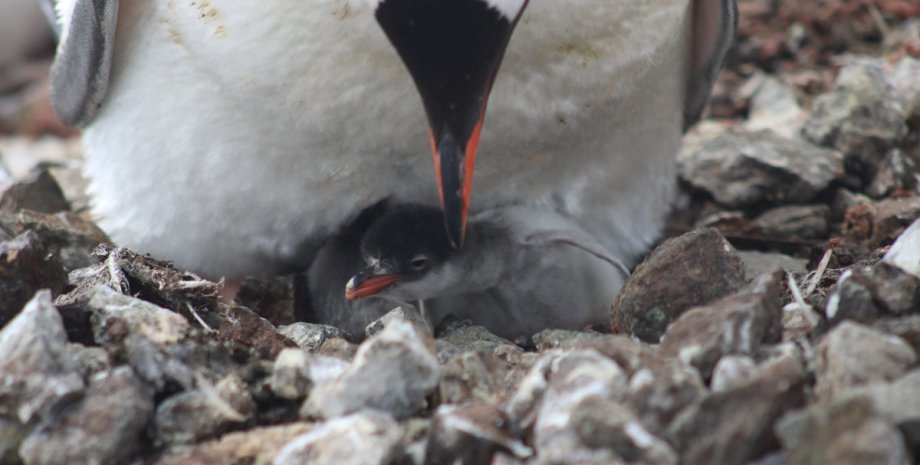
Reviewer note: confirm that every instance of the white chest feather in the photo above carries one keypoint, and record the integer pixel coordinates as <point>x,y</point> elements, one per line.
<point>233,131</point>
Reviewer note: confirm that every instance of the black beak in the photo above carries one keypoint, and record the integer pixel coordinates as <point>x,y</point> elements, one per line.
<point>453,50</point>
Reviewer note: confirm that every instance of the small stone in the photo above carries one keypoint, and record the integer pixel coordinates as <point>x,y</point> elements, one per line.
<point>256,446</point>
<point>471,434</point>
<point>309,336</point>
<point>566,339</point>
<point>852,355</point>
<point>843,433</point>
<point>892,217</point>
<point>197,414</point>
<point>103,428</point>
<point>862,117</point>
<point>395,371</point>
<point>295,372</point>
<point>798,320</point>
<point>242,325</point>
<point>26,267</point>
<point>736,324</point>
<point>741,169</point>
<point>864,294</point>
<point>774,107</point>
<point>39,192</point>
<point>368,438</point>
<point>92,360</point>
<point>733,371</point>
<point>734,426</point>
<point>693,269</point>
<point>794,223</point>
<point>39,373</point>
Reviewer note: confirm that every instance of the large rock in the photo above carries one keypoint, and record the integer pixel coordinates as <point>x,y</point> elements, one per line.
<point>844,433</point>
<point>368,438</point>
<point>852,355</point>
<point>693,269</point>
<point>735,425</point>
<point>25,267</point>
<point>741,169</point>
<point>39,372</point>
<point>395,371</point>
<point>862,117</point>
<point>103,428</point>
<point>736,324</point>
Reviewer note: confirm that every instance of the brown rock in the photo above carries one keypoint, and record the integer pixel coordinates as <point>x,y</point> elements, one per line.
<point>67,235</point>
<point>242,325</point>
<point>270,298</point>
<point>794,223</point>
<point>202,413</point>
<point>690,270</point>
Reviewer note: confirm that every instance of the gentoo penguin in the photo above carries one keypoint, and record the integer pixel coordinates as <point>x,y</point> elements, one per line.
<point>521,270</point>
<point>231,136</point>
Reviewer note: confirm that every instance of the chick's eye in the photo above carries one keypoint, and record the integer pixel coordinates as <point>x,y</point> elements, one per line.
<point>419,262</point>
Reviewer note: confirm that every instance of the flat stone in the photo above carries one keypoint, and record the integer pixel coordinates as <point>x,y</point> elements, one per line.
<point>103,428</point>
<point>395,371</point>
<point>794,222</point>
<point>202,413</point>
<point>25,267</point>
<point>741,169</point>
<point>862,117</point>
<point>367,438</point>
<point>843,433</point>
<point>295,372</point>
<point>736,324</point>
<point>39,372</point>
<point>852,354</point>
<point>865,294</point>
<point>463,336</point>
<point>735,426</point>
<point>693,269</point>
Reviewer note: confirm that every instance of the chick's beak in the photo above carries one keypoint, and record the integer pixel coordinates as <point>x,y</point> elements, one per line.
<point>453,49</point>
<point>364,285</point>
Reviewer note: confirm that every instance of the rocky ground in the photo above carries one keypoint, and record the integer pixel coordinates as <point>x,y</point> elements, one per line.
<point>779,325</point>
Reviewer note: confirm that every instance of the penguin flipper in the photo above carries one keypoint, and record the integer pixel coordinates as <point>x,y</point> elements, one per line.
<point>712,31</point>
<point>80,73</point>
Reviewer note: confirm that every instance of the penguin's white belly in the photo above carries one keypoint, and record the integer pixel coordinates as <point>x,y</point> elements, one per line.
<point>234,132</point>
